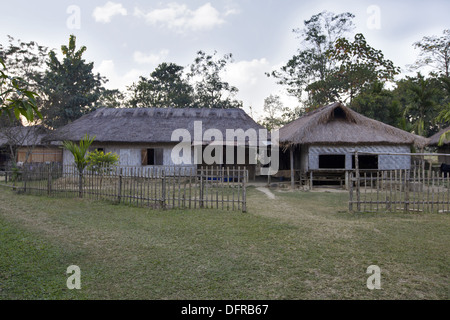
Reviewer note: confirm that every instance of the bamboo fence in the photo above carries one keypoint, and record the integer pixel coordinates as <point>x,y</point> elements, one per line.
<point>156,187</point>
<point>418,189</point>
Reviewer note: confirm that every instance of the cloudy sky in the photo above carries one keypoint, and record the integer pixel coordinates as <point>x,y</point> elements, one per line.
<point>127,39</point>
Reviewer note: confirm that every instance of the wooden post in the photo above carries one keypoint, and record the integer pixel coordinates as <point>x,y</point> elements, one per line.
<point>350,202</point>
<point>80,184</point>
<point>358,191</point>
<point>49,180</point>
<point>119,196</point>
<point>407,185</point>
<point>292,167</point>
<point>163,189</point>
<point>244,192</point>
<point>201,187</point>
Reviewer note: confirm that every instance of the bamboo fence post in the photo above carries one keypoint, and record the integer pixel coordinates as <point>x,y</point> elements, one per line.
<point>163,189</point>
<point>358,191</point>
<point>49,180</point>
<point>244,191</point>
<point>119,196</point>
<point>350,185</point>
<point>201,188</point>
<point>407,177</point>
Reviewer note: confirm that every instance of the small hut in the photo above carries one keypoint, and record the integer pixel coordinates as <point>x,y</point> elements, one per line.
<point>444,148</point>
<point>26,143</point>
<point>323,142</point>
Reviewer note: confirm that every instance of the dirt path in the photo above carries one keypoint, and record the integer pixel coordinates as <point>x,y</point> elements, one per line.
<point>269,194</point>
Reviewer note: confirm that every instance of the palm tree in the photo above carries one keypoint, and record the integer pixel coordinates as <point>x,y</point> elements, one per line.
<point>79,154</point>
<point>423,102</point>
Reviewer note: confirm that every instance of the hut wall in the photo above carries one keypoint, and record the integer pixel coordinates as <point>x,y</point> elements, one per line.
<point>129,154</point>
<point>385,162</point>
<point>40,154</point>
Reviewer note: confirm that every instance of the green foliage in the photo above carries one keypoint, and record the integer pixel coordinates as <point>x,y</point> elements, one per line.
<point>277,114</point>
<point>378,103</point>
<point>210,90</point>
<point>99,161</point>
<point>359,65</point>
<point>79,151</point>
<point>309,70</point>
<point>15,96</point>
<point>435,53</point>
<point>70,85</point>
<point>165,88</point>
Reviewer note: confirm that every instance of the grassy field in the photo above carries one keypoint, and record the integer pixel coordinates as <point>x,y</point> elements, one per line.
<point>300,245</point>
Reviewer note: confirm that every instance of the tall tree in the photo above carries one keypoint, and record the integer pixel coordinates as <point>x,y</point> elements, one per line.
<point>211,91</point>
<point>308,71</point>
<point>379,103</point>
<point>276,113</point>
<point>165,88</point>
<point>419,97</point>
<point>70,86</point>
<point>435,52</point>
<point>359,66</point>
<point>25,60</point>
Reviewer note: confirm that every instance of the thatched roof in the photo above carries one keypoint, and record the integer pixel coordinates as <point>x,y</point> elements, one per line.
<point>23,136</point>
<point>336,124</point>
<point>434,139</point>
<point>150,125</point>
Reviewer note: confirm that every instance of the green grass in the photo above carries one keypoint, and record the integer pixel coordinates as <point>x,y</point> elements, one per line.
<point>302,245</point>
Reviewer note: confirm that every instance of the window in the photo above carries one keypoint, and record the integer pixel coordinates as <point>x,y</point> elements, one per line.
<point>366,162</point>
<point>332,161</point>
<point>100,150</point>
<point>153,157</point>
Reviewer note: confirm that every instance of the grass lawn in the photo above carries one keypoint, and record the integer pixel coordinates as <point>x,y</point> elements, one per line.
<point>301,245</point>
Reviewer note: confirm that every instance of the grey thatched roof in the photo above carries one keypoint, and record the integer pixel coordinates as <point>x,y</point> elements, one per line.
<point>434,139</point>
<point>337,124</point>
<point>23,136</point>
<point>150,125</point>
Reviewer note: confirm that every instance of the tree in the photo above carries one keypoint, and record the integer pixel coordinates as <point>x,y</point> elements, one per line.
<point>210,90</point>
<point>101,162</point>
<point>276,114</point>
<point>79,153</point>
<point>165,88</point>
<point>434,52</point>
<point>309,70</point>
<point>359,65</point>
<point>15,97</point>
<point>70,86</point>
<point>419,97</point>
<point>379,103</point>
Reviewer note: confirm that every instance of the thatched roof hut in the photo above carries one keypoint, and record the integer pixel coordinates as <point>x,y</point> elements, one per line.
<point>336,124</point>
<point>442,149</point>
<point>434,139</point>
<point>151,125</point>
<point>23,135</point>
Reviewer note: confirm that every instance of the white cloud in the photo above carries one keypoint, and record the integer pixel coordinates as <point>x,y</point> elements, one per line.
<point>180,18</point>
<point>109,10</point>
<point>107,69</point>
<point>151,58</point>
<point>253,84</point>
